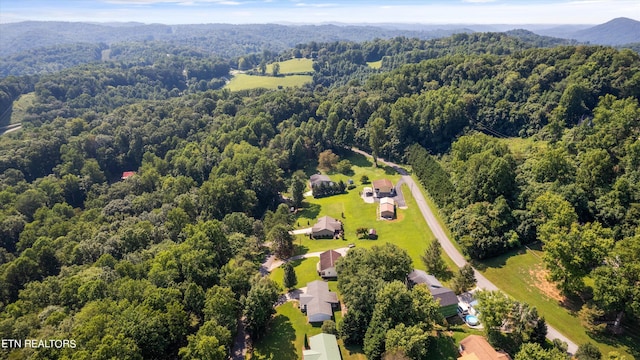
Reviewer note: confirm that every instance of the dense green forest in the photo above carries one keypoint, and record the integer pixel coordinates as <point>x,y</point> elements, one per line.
<point>162,264</point>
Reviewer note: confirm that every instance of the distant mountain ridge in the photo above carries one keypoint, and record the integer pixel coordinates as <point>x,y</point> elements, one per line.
<point>19,37</point>
<point>618,31</point>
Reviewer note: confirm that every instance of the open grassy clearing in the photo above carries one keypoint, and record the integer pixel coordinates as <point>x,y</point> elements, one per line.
<point>375,64</point>
<point>521,274</point>
<point>522,148</point>
<point>409,231</point>
<point>285,338</point>
<point>19,109</point>
<point>305,272</point>
<point>293,66</point>
<point>245,81</point>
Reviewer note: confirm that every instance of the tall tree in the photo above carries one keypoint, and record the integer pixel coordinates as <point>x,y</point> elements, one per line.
<point>616,281</point>
<point>432,260</point>
<point>536,351</point>
<point>571,256</point>
<point>588,351</point>
<point>465,279</point>
<point>282,241</point>
<point>258,306</point>
<point>376,137</point>
<point>298,186</point>
<point>290,279</point>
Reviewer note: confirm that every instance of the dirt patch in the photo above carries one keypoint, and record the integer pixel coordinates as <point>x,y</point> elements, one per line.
<point>539,277</point>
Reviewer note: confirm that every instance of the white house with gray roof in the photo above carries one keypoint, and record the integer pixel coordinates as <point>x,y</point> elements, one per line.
<point>318,302</point>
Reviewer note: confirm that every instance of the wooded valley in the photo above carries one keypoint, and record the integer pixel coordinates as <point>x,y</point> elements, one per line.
<point>162,264</point>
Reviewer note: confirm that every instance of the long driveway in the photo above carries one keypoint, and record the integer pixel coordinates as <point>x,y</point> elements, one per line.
<point>447,244</point>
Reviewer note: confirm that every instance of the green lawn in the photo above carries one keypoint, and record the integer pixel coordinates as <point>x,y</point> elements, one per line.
<point>523,147</point>
<point>245,81</point>
<point>20,106</point>
<point>520,274</point>
<point>409,230</point>
<point>305,272</point>
<point>375,64</point>
<point>285,338</point>
<point>293,66</point>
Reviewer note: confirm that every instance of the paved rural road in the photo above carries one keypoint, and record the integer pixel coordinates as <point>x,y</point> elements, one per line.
<point>447,244</point>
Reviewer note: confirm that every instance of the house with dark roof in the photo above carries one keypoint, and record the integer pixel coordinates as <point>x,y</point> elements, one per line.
<point>318,302</point>
<point>476,347</point>
<point>317,179</point>
<point>327,265</point>
<point>322,347</point>
<point>446,297</point>
<point>383,188</point>
<point>326,227</point>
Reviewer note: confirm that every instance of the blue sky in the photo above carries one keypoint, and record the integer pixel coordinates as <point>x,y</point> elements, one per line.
<point>318,11</point>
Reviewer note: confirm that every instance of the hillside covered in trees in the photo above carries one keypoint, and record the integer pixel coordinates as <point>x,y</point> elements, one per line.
<point>162,264</point>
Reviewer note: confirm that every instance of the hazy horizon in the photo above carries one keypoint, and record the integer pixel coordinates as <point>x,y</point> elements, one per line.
<point>439,12</point>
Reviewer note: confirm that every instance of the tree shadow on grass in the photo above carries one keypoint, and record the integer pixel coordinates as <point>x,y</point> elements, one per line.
<point>388,170</point>
<point>278,343</point>
<point>299,249</point>
<point>358,159</point>
<point>630,339</point>
<point>309,211</point>
<point>352,350</point>
<point>442,347</point>
<point>497,261</point>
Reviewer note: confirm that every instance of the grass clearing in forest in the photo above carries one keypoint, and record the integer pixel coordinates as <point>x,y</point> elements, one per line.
<point>20,106</point>
<point>375,64</point>
<point>293,66</point>
<point>520,274</point>
<point>246,82</point>
<point>523,147</point>
<point>409,230</point>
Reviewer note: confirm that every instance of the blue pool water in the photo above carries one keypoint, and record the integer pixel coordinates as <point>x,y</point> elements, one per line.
<point>471,320</point>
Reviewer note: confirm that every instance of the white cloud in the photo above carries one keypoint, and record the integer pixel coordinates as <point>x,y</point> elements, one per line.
<point>301,4</point>
<point>318,11</point>
<point>178,2</point>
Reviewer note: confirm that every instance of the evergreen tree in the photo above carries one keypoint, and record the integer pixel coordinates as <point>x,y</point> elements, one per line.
<point>290,278</point>
<point>432,260</point>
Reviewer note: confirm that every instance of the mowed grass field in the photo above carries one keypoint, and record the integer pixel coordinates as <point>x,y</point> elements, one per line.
<point>20,106</point>
<point>305,272</point>
<point>408,230</point>
<point>375,64</point>
<point>246,82</point>
<point>285,338</point>
<point>521,274</point>
<point>293,66</point>
<point>290,71</point>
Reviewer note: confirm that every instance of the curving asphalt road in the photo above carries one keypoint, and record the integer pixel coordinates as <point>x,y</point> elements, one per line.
<point>447,244</point>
